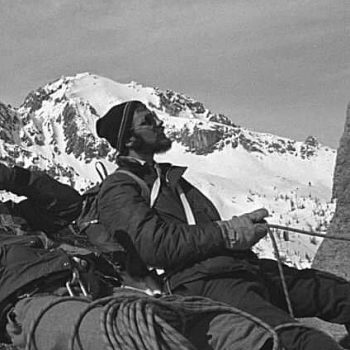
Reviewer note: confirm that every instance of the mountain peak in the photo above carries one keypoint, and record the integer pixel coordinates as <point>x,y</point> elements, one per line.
<point>239,169</point>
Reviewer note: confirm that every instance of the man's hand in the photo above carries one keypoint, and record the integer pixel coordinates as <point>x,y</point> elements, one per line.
<point>242,232</point>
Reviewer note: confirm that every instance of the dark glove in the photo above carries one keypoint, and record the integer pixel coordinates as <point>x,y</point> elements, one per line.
<point>242,232</point>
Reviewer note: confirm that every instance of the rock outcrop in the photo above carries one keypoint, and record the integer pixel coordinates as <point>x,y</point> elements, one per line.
<point>333,255</point>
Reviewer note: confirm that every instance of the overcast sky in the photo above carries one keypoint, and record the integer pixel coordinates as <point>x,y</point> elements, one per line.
<point>280,66</point>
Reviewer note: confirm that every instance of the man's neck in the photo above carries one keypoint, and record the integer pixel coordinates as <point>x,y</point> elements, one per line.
<point>148,158</point>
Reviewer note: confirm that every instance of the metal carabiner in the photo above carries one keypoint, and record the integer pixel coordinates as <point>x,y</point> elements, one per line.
<point>76,281</point>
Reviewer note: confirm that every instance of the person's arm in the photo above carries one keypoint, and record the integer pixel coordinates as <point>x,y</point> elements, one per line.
<point>49,206</point>
<point>159,243</point>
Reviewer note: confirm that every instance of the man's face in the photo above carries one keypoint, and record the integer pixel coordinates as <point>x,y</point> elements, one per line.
<point>148,131</point>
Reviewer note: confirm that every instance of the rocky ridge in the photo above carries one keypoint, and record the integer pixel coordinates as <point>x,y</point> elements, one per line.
<point>202,132</point>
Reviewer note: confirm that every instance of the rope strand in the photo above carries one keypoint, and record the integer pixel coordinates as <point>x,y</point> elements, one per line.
<point>282,276</point>
<point>309,233</point>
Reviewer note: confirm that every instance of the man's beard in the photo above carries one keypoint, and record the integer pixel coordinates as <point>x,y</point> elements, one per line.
<point>162,145</point>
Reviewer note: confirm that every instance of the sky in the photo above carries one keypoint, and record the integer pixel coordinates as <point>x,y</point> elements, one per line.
<point>278,66</point>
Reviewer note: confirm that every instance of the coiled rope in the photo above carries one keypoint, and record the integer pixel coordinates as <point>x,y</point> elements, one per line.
<point>133,320</point>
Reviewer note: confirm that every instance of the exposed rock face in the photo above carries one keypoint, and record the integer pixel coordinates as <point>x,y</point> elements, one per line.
<point>334,256</point>
<point>309,148</point>
<point>174,103</point>
<point>9,123</point>
<point>198,141</point>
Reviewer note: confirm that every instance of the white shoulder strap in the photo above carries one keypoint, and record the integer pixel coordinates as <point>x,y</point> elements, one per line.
<point>186,205</point>
<point>156,186</point>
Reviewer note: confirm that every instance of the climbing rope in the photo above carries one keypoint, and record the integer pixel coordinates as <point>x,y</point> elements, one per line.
<point>278,258</point>
<point>132,320</point>
<point>282,276</point>
<point>309,233</point>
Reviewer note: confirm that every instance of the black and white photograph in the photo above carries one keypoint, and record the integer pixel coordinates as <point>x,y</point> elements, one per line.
<point>174,174</point>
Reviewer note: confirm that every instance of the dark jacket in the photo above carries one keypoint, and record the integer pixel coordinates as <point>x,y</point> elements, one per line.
<point>161,234</point>
<point>49,206</point>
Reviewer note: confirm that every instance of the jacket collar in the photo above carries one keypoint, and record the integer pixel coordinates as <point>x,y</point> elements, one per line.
<point>172,173</point>
<point>133,160</point>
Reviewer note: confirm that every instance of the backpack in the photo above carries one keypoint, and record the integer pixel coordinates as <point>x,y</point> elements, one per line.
<point>87,224</point>
<point>131,270</point>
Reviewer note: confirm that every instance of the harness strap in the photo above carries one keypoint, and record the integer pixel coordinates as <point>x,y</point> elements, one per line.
<point>145,193</point>
<point>186,205</point>
<point>156,186</point>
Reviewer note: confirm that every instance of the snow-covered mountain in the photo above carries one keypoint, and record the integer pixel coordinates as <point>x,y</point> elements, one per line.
<point>240,170</point>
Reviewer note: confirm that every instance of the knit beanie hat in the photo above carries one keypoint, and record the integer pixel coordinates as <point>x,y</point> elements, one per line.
<point>114,126</point>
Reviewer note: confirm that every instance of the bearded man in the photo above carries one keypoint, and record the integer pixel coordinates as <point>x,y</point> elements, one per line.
<point>179,230</point>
